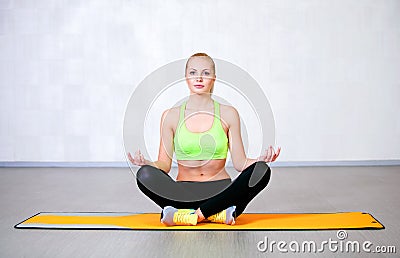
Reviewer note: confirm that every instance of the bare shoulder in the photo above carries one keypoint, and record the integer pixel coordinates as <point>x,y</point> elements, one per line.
<point>229,114</point>
<point>228,110</point>
<point>170,117</point>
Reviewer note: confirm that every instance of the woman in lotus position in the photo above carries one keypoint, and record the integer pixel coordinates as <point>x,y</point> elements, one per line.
<point>201,131</point>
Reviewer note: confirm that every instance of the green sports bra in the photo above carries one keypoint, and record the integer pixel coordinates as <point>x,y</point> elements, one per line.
<point>211,144</point>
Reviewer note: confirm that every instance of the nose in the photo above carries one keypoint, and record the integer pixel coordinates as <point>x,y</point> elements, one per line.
<point>199,78</point>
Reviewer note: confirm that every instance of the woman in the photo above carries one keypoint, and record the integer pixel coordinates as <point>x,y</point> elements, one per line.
<point>203,189</point>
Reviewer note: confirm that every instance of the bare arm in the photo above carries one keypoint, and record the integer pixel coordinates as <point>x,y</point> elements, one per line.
<point>166,148</point>
<point>236,148</point>
<point>239,158</point>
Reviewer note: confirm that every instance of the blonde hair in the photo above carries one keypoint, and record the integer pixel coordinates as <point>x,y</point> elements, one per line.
<point>201,55</point>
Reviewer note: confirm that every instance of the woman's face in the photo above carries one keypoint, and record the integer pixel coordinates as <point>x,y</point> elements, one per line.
<point>200,75</point>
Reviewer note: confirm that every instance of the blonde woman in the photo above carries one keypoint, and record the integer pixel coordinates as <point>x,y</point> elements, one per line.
<point>201,131</point>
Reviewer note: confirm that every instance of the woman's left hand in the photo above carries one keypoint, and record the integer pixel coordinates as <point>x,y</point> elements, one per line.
<point>270,155</point>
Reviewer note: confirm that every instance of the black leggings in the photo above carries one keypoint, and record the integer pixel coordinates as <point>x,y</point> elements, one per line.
<point>210,196</point>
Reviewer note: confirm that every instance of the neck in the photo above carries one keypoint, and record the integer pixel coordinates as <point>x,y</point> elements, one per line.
<point>203,101</point>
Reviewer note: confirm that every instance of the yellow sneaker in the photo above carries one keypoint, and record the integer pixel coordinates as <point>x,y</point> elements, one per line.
<point>225,217</point>
<point>171,216</point>
<point>185,219</point>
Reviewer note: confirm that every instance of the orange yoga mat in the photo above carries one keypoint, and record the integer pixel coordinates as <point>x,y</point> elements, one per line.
<point>247,221</point>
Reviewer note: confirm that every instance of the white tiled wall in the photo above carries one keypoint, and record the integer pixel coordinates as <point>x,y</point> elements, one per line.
<point>329,68</point>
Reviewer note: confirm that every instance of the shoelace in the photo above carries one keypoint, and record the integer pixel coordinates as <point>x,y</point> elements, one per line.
<point>182,218</point>
<point>219,217</point>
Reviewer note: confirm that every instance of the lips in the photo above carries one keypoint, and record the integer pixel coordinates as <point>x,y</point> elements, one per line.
<point>199,86</point>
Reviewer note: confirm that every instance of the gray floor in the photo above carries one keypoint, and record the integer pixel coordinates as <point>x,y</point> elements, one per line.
<point>26,191</point>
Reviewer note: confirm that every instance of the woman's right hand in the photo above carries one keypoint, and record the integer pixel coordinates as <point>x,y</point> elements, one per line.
<point>138,158</point>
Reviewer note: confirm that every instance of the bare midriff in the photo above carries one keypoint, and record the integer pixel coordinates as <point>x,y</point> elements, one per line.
<point>202,170</point>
